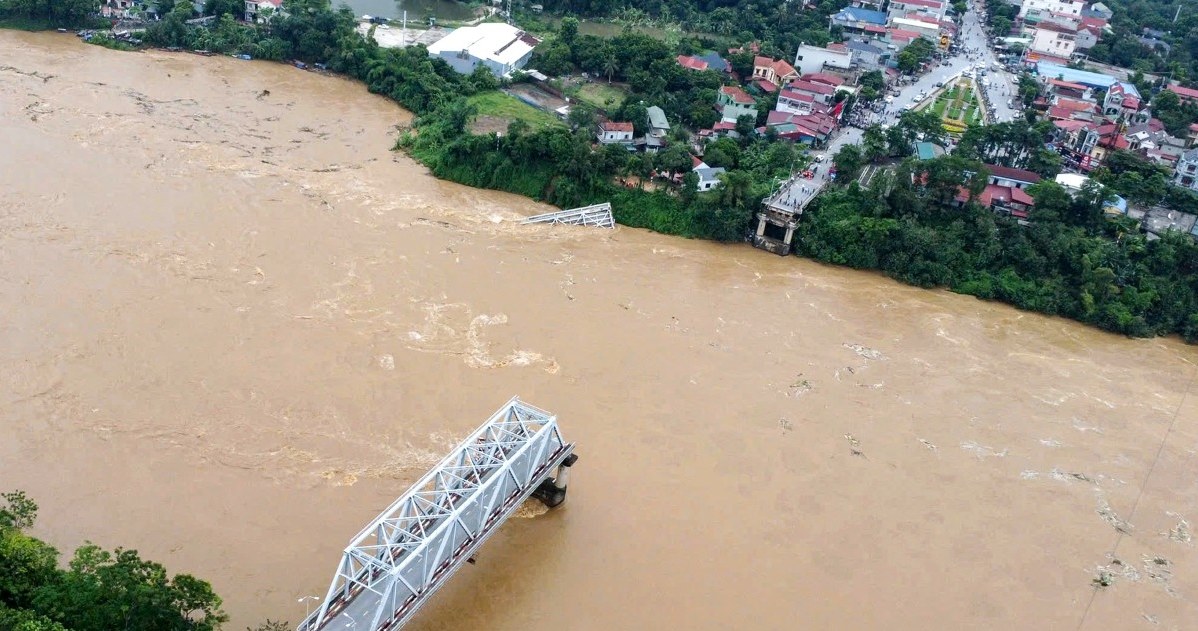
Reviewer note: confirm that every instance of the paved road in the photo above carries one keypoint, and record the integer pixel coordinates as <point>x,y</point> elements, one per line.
<point>796,191</point>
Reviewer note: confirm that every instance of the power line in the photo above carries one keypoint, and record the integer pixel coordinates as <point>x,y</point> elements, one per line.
<point>1135,506</point>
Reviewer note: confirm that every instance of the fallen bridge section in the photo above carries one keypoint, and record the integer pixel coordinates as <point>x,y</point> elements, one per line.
<point>396,563</point>
<point>598,215</point>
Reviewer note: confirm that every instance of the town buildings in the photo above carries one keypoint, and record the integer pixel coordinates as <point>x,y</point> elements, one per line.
<point>733,102</point>
<point>500,48</point>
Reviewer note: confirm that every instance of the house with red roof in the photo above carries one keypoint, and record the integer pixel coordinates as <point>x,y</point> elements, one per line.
<point>1011,177</point>
<point>899,37</point>
<point>819,92</point>
<point>1186,94</point>
<point>768,73</point>
<point>1002,199</point>
<point>1056,87</point>
<point>690,62</point>
<point>611,133</point>
<point>732,102</point>
<point>825,78</point>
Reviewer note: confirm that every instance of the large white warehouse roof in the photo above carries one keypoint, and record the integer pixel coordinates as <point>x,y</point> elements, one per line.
<point>500,43</point>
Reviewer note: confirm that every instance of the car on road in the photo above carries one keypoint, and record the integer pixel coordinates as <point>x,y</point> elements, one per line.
<point>940,84</point>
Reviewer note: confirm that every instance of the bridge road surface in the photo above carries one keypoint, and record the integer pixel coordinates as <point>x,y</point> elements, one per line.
<point>972,36</point>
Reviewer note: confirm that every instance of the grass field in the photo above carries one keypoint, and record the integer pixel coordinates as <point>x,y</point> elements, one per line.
<point>597,95</point>
<point>500,105</point>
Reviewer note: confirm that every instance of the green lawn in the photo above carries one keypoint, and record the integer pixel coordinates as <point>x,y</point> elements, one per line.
<point>502,105</point>
<point>597,94</point>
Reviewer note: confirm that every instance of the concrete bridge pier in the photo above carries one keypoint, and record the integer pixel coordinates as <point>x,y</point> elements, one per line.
<point>552,491</point>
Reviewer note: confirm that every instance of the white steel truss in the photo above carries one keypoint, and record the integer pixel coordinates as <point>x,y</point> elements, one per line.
<point>599,215</point>
<point>401,558</point>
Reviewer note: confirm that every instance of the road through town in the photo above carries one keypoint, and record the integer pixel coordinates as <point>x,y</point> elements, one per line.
<point>798,191</point>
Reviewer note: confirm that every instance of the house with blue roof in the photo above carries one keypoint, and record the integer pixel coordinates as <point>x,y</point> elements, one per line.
<point>1089,79</point>
<point>715,62</point>
<point>858,20</point>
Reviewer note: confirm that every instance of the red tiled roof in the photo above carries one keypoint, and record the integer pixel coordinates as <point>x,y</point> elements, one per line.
<point>738,95</point>
<point>1066,84</point>
<point>766,86</point>
<point>1194,127</point>
<point>1055,26</point>
<point>994,192</point>
<point>780,67</point>
<point>610,126</point>
<point>1185,93</point>
<point>1131,103</point>
<point>923,3</point>
<point>1070,125</point>
<point>723,126</point>
<point>1008,173</point>
<point>901,33</point>
<point>693,63</point>
<point>796,96</point>
<point>838,47</point>
<point>1074,105</point>
<point>1097,23</point>
<point>820,77</point>
<point>1020,196</point>
<point>1060,112</point>
<point>814,88</point>
<point>874,28</point>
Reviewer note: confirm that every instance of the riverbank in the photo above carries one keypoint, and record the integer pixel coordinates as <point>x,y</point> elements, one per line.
<point>1113,278</point>
<point>238,315</point>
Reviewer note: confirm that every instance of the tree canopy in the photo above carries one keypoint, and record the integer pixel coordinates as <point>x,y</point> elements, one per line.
<point>98,591</point>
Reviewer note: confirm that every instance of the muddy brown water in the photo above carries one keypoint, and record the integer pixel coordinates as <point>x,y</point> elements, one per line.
<point>234,326</point>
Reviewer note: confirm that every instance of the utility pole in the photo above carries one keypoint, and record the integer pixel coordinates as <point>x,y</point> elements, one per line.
<point>1177,13</point>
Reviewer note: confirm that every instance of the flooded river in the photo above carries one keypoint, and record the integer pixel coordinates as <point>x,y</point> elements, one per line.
<point>234,327</point>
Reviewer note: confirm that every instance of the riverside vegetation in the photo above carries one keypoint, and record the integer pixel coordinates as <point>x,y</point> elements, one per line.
<point>98,591</point>
<point>1069,261</point>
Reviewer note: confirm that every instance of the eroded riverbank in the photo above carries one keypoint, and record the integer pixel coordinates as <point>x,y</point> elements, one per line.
<point>235,327</point>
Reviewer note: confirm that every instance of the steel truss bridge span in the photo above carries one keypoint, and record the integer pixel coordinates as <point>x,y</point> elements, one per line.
<point>399,560</point>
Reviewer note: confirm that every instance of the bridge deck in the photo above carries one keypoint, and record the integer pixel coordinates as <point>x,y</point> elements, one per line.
<point>598,215</point>
<point>395,564</point>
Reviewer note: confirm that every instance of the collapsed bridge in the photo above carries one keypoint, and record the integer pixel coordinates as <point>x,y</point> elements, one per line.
<point>398,561</point>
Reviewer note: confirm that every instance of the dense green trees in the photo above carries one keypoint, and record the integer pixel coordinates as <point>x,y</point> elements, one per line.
<point>1069,261</point>
<point>52,13</point>
<point>914,54</point>
<point>99,590</point>
<point>779,25</point>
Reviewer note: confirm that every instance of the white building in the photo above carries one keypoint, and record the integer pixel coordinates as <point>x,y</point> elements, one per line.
<point>501,48</point>
<point>1186,173</point>
<point>1054,39</point>
<point>812,59</point>
<point>255,8</point>
<point>1034,10</point>
<point>709,177</point>
<point>610,133</point>
<point>902,8</point>
<point>926,30</point>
